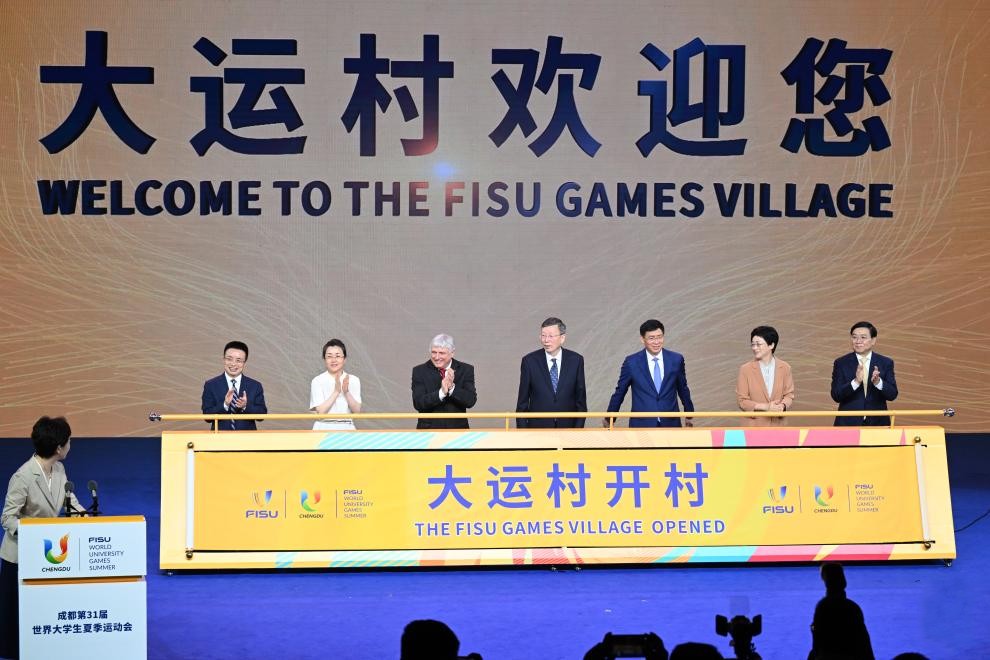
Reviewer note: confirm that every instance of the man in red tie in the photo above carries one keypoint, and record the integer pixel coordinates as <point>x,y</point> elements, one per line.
<point>443,385</point>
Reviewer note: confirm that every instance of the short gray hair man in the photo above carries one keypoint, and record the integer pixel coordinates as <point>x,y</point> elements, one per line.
<point>443,341</point>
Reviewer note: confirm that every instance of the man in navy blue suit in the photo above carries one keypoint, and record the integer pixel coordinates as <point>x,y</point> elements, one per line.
<point>234,393</point>
<point>657,378</point>
<point>863,380</point>
<point>552,380</point>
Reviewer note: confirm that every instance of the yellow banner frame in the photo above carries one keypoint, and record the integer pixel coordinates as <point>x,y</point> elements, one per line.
<point>925,493</point>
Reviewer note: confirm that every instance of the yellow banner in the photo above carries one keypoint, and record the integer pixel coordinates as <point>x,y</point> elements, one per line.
<point>395,500</point>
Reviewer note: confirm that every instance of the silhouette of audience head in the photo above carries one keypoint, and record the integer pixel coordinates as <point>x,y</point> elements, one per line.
<point>910,656</point>
<point>648,646</point>
<point>834,577</point>
<point>838,629</point>
<point>426,639</point>
<point>695,651</point>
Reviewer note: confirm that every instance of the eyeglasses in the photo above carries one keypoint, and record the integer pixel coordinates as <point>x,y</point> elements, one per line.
<point>232,360</point>
<point>333,356</point>
<point>544,337</point>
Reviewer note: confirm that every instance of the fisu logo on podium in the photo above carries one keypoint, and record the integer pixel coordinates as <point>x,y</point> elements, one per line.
<point>264,508</point>
<point>57,560</point>
<point>778,495</point>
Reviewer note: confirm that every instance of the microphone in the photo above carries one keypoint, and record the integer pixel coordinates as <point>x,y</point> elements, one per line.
<point>95,507</point>
<point>69,487</point>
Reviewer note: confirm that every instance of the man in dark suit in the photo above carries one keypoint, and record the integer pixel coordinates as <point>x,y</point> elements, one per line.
<point>443,385</point>
<point>234,393</point>
<point>863,380</point>
<point>551,380</point>
<point>657,378</point>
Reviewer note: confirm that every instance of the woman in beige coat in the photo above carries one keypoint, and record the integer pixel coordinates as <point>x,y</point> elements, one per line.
<point>37,490</point>
<point>765,383</point>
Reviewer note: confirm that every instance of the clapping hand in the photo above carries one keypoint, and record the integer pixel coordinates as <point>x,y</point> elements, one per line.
<point>233,402</point>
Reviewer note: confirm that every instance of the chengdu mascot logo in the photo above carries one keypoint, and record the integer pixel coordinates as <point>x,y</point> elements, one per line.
<point>307,504</point>
<point>50,550</point>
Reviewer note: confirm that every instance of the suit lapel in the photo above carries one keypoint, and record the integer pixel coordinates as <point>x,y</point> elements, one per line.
<point>223,385</point>
<point>42,482</point>
<point>668,369</point>
<point>777,387</point>
<point>851,364</point>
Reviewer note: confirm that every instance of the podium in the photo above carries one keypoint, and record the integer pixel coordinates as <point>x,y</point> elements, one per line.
<point>82,587</point>
<point>376,499</point>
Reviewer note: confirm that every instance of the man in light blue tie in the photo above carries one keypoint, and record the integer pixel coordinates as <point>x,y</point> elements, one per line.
<point>657,378</point>
<point>551,379</point>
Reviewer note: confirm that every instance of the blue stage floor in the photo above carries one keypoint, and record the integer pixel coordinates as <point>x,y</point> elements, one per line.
<point>540,614</point>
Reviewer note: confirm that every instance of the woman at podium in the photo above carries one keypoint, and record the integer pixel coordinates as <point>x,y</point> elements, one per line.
<point>36,490</point>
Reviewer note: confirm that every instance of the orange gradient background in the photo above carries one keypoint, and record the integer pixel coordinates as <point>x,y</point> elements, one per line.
<point>106,318</point>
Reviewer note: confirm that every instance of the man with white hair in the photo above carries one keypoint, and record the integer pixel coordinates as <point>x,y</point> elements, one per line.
<point>443,385</point>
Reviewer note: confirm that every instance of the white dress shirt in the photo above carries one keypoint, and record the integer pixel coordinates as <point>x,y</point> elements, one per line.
<point>768,372</point>
<point>320,390</point>
<point>866,360</point>
<point>236,387</point>
<point>649,362</point>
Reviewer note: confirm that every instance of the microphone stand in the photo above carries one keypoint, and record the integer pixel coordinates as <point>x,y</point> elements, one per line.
<point>69,509</point>
<point>94,508</point>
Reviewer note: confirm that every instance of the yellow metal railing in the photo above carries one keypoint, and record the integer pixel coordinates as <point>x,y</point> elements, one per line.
<point>508,416</point>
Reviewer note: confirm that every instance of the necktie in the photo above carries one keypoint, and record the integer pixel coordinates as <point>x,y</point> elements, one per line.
<point>554,374</point>
<point>657,379</point>
<point>866,373</point>
<point>443,372</point>
<point>233,403</point>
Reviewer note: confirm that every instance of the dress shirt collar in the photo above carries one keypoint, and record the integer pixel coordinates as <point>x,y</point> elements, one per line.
<point>650,356</point>
<point>649,362</point>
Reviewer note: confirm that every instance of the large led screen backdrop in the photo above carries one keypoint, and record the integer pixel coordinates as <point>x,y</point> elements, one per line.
<point>175,175</point>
